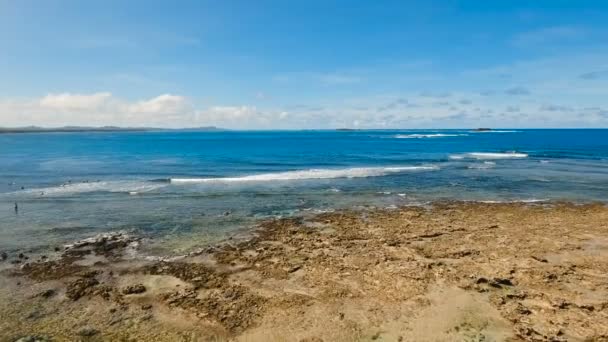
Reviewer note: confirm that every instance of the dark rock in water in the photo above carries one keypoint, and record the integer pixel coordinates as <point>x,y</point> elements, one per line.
<point>102,244</point>
<point>21,256</point>
<point>134,289</point>
<point>3,256</point>
<point>87,331</point>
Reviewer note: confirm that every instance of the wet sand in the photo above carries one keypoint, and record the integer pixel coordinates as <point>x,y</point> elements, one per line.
<point>446,272</point>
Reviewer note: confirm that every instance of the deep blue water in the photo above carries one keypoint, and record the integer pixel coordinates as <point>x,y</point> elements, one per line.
<point>185,189</point>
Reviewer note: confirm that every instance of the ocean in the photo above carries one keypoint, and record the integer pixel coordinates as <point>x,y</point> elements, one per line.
<point>184,190</point>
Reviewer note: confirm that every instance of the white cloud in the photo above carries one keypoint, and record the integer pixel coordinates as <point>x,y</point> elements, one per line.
<point>457,104</point>
<point>231,113</point>
<point>96,109</point>
<point>163,104</point>
<point>68,101</point>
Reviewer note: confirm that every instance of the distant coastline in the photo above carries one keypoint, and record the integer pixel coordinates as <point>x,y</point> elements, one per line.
<point>75,129</point>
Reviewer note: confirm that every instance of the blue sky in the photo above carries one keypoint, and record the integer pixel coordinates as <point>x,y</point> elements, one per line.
<point>304,64</point>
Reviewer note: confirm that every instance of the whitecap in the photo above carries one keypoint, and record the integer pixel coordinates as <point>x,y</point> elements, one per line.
<point>422,136</point>
<point>357,172</point>
<point>488,155</point>
<point>130,187</point>
<point>482,166</point>
<point>496,131</point>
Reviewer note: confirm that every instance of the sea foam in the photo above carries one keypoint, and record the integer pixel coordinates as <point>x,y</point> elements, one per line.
<point>357,172</point>
<point>496,131</point>
<point>422,136</point>
<point>482,166</point>
<point>126,186</point>
<point>488,155</point>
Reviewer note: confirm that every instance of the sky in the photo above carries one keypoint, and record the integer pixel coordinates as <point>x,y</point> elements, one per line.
<point>304,64</point>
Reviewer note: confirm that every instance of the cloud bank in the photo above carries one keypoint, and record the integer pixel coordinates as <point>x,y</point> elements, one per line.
<point>414,110</point>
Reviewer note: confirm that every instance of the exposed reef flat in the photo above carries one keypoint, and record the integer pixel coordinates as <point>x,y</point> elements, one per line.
<point>446,272</point>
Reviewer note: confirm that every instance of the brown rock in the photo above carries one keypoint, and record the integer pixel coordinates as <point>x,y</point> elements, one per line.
<point>134,289</point>
<point>80,288</point>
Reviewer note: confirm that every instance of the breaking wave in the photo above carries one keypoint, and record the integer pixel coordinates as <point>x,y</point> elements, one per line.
<point>357,172</point>
<point>131,187</point>
<point>482,166</point>
<point>422,136</point>
<point>488,155</point>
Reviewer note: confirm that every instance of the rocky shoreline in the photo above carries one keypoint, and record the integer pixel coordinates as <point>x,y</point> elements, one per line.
<point>451,271</point>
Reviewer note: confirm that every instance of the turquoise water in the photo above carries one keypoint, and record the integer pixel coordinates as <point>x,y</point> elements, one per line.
<point>185,189</point>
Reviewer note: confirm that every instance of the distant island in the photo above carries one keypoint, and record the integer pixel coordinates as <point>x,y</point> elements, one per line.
<point>72,129</point>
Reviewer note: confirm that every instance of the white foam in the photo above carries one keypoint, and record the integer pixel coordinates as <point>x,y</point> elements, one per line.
<point>489,155</point>
<point>130,187</point>
<point>484,165</point>
<point>496,131</point>
<point>357,172</point>
<point>422,136</point>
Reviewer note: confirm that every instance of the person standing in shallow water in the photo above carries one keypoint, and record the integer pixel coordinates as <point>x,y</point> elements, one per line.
<point>16,208</point>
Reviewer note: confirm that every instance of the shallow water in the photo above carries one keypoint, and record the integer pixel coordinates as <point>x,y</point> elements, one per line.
<point>187,189</point>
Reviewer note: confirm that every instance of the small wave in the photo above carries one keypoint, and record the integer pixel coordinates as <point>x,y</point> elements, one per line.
<point>496,131</point>
<point>422,136</point>
<point>488,155</point>
<point>130,187</point>
<point>482,166</point>
<point>357,172</point>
